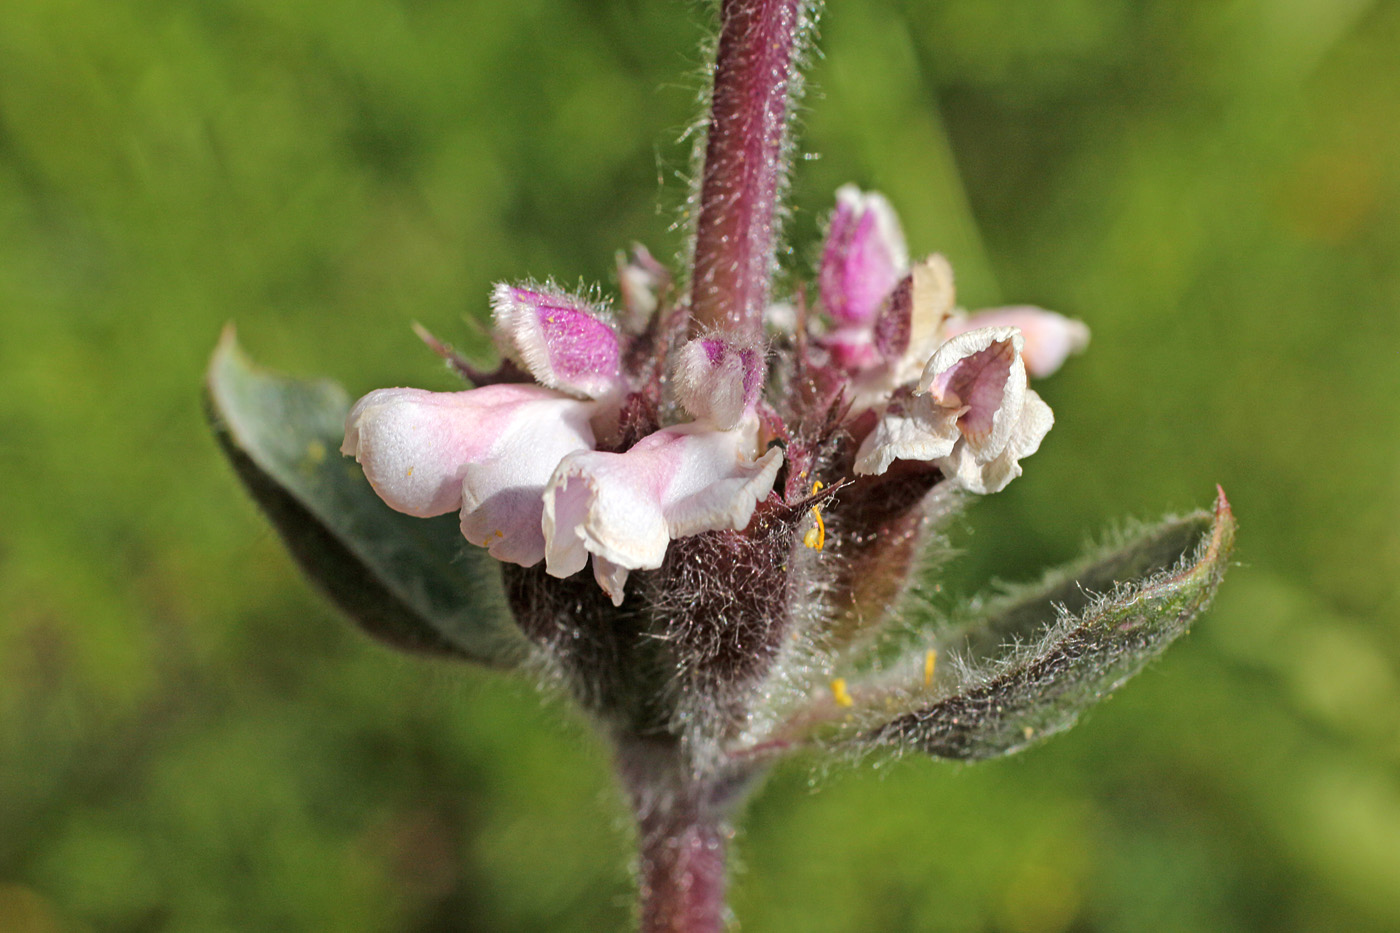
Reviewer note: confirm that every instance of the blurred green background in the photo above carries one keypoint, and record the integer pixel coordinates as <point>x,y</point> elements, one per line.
<point>190,739</point>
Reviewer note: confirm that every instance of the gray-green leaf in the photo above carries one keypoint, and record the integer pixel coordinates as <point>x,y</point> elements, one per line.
<point>414,583</point>
<point>1064,644</point>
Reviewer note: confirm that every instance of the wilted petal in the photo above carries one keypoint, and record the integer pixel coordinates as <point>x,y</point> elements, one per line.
<point>864,257</point>
<point>972,414</point>
<point>891,330</point>
<point>718,380</point>
<point>559,340</point>
<point>909,327</point>
<point>964,467</point>
<point>419,448</point>
<point>981,373</point>
<point>921,429</point>
<point>626,507</point>
<point>933,297</point>
<point>1050,338</point>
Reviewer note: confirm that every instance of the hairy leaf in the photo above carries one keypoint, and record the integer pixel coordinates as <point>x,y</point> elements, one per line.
<point>411,582</point>
<point>1091,633</point>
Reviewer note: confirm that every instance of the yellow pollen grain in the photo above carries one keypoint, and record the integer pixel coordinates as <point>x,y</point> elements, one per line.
<point>410,472</point>
<point>815,537</point>
<point>930,659</point>
<point>840,694</point>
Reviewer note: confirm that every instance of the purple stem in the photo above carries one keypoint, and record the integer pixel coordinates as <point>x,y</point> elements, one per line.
<point>735,232</point>
<point>681,872</point>
<point>683,833</point>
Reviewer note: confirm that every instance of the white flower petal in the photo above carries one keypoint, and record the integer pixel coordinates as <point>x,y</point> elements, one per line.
<point>626,507</point>
<point>716,485</point>
<point>415,445</point>
<point>718,380</point>
<point>780,316</point>
<point>502,492</point>
<point>964,468</point>
<point>923,430</point>
<point>597,502</point>
<point>972,414</point>
<point>981,372</point>
<point>640,279</point>
<point>611,578</point>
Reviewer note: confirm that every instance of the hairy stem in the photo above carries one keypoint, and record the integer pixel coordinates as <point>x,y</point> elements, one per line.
<point>682,871</point>
<point>736,231</point>
<point>682,833</point>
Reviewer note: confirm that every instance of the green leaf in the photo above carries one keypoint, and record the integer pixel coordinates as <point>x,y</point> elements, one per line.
<point>414,583</point>
<point>1027,662</point>
<point>1091,632</point>
<point>1020,613</point>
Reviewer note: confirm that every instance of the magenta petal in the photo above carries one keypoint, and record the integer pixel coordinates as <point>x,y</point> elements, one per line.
<point>863,259</point>
<point>559,340</point>
<point>719,380</point>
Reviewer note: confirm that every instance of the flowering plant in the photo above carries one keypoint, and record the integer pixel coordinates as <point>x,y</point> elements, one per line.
<point>702,513</point>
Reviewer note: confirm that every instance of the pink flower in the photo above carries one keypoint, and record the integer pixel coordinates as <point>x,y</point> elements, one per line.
<point>863,259</point>
<point>887,314</point>
<point>718,380</point>
<point>970,412</point>
<point>518,460</point>
<point>624,508</point>
<point>559,340</point>
<point>596,458</point>
<point>488,452</point>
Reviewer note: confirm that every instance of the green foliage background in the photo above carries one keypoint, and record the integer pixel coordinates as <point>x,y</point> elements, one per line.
<point>191,740</point>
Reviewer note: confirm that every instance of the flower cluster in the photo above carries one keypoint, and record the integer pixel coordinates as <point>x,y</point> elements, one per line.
<point>611,437</point>
<point>757,484</point>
